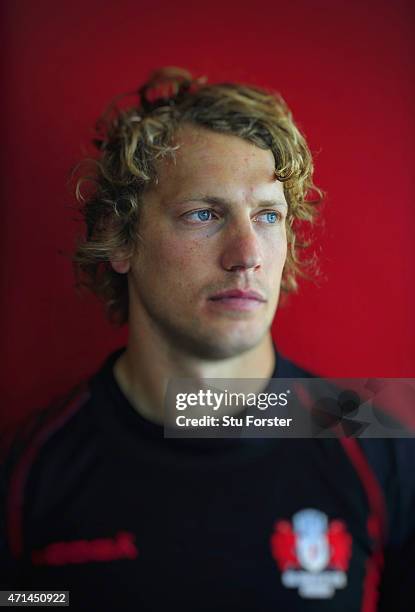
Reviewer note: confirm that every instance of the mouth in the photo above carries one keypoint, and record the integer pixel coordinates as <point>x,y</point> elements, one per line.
<point>237,299</point>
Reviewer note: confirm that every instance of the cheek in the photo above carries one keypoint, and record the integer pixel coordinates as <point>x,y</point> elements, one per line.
<point>171,258</point>
<point>275,251</point>
<point>283,249</point>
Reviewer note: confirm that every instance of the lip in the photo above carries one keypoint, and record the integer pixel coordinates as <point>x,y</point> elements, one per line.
<point>238,294</point>
<point>237,300</point>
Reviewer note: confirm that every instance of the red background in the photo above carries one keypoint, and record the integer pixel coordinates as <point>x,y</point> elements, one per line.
<point>346,70</point>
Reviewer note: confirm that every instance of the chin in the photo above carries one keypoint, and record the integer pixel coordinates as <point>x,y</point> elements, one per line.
<point>224,348</point>
<point>215,342</point>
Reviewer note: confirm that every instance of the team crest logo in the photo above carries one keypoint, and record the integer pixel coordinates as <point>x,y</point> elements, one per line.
<point>312,554</point>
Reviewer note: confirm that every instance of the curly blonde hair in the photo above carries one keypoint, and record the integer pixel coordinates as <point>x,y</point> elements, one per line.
<point>129,142</point>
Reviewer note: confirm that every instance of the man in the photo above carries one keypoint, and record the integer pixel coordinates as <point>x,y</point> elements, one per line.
<point>191,237</point>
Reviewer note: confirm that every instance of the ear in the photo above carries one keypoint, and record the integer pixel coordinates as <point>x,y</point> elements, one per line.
<point>122,266</point>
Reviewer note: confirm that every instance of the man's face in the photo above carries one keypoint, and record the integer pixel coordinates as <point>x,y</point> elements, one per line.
<point>206,275</point>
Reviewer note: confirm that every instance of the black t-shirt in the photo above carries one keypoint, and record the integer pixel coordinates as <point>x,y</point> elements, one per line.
<point>98,502</point>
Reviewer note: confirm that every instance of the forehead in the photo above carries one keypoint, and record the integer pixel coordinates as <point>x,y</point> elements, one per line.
<point>207,160</point>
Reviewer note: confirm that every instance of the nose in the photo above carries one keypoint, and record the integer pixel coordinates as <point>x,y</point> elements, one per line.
<point>241,249</point>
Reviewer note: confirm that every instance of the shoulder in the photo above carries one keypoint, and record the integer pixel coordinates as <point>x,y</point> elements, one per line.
<point>41,425</point>
<point>70,415</point>
<point>42,438</point>
<point>32,460</point>
<point>392,461</point>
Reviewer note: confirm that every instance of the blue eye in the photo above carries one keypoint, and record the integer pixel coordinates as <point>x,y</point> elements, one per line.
<point>271,217</point>
<point>200,215</point>
<point>203,215</point>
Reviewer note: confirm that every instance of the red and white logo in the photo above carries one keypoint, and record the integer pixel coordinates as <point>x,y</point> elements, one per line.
<point>312,553</point>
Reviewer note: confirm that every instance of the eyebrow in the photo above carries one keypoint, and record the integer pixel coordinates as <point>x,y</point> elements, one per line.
<point>224,202</point>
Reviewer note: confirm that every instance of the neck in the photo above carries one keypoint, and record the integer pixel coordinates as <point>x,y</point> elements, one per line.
<point>145,367</point>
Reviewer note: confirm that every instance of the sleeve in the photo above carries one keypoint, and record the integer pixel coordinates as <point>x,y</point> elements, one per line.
<point>397,591</point>
<point>8,565</point>
<point>13,443</point>
<point>16,445</point>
